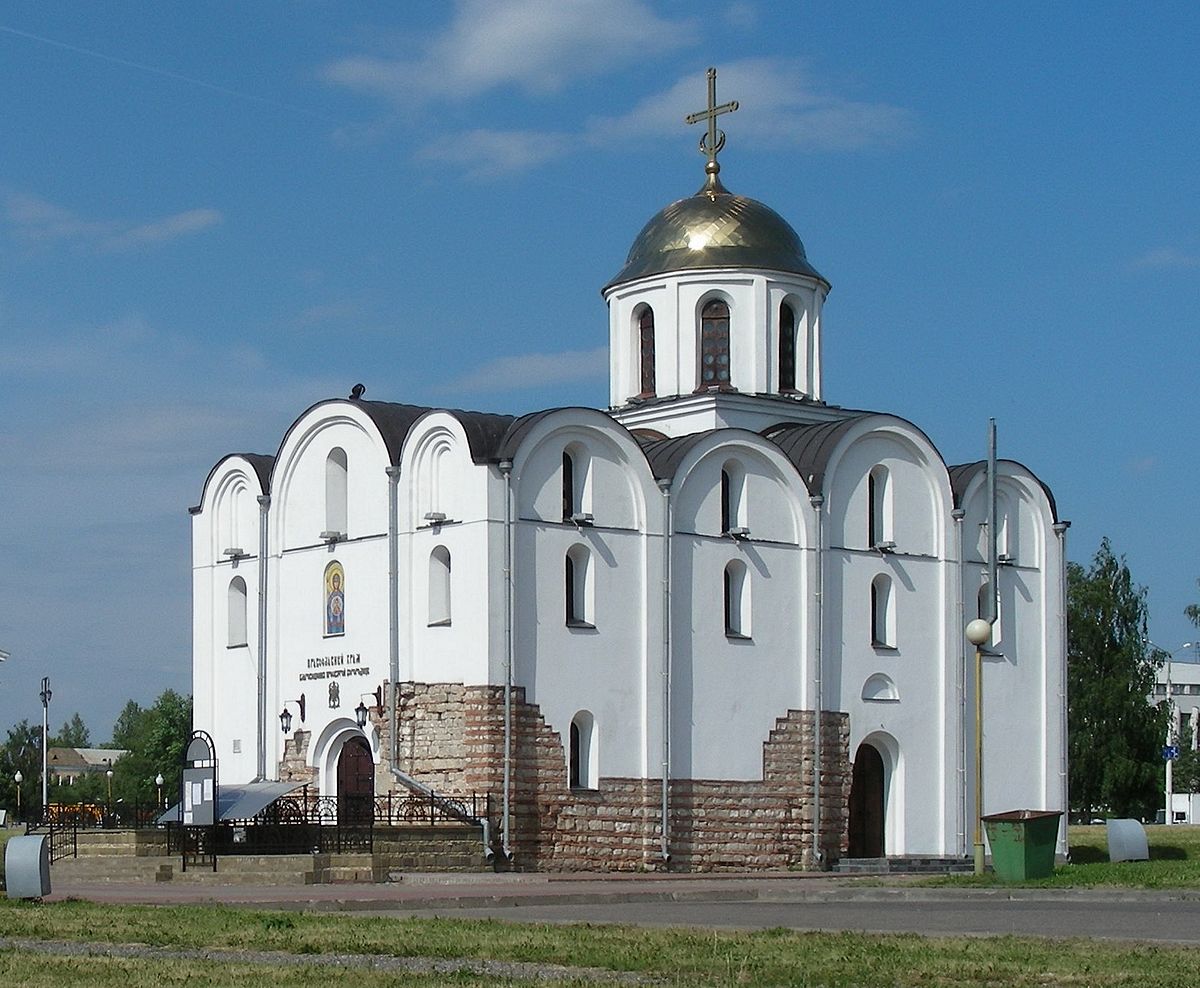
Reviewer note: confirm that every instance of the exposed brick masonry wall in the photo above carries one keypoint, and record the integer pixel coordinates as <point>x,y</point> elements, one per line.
<point>452,738</point>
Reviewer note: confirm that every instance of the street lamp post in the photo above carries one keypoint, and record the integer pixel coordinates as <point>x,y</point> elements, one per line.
<point>158,782</point>
<point>108,775</point>
<point>978,633</point>
<point>1172,735</point>
<point>18,779</point>
<point>45,695</point>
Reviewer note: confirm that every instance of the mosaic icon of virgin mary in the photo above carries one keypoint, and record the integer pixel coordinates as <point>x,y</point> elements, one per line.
<point>335,600</point>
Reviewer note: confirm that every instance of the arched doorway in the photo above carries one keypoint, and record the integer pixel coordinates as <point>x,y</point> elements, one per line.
<point>355,782</point>
<point>866,804</point>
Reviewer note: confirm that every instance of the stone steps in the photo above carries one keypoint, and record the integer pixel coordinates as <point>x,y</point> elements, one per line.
<point>904,865</point>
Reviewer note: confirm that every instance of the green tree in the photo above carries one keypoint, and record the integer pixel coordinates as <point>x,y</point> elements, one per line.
<point>73,734</point>
<point>22,752</point>
<point>1185,774</point>
<point>154,737</point>
<point>1115,737</point>
<point>1193,611</point>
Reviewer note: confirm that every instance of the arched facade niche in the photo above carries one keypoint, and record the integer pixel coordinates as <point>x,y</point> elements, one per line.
<point>234,513</point>
<point>298,503</point>
<point>911,485</point>
<point>610,478</point>
<point>730,483</point>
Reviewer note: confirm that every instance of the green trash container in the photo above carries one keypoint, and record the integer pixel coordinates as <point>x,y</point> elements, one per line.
<point>1023,843</point>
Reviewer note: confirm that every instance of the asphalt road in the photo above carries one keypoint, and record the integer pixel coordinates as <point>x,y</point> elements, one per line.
<point>1156,919</point>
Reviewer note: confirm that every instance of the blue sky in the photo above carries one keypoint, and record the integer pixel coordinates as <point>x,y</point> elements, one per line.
<point>213,215</point>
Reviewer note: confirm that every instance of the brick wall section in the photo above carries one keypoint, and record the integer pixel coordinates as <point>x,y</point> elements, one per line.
<point>292,766</point>
<point>452,738</point>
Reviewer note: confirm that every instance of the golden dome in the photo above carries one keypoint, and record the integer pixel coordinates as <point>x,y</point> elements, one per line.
<point>715,229</point>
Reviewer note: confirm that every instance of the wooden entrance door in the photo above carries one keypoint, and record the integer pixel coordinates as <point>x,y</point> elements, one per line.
<point>866,804</point>
<point>356,782</point>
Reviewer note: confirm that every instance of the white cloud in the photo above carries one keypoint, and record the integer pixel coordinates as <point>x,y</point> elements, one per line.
<point>34,220</point>
<point>1167,257</point>
<point>531,44</point>
<point>778,104</point>
<point>167,228</point>
<point>529,370</point>
<point>484,153</point>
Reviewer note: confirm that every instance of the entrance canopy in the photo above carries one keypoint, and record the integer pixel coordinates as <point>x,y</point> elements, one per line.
<point>240,802</point>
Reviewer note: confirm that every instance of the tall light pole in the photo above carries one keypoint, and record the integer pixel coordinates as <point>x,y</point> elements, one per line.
<point>1171,749</point>
<point>45,695</point>
<point>978,634</point>
<point>18,779</point>
<point>158,782</point>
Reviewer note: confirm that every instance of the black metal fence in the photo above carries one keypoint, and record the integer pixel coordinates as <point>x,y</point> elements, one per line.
<point>301,822</point>
<point>95,816</point>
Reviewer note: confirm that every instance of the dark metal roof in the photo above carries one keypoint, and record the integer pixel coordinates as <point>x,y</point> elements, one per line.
<point>809,447</point>
<point>521,427</point>
<point>715,229</point>
<point>261,462</point>
<point>962,474</point>
<point>394,421</point>
<point>665,455</point>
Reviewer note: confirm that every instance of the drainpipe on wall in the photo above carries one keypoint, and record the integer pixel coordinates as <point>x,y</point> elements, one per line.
<point>665,487</point>
<point>1060,529</point>
<point>393,473</point>
<point>818,503</point>
<point>506,809</point>
<point>961,809</point>
<point>264,504</point>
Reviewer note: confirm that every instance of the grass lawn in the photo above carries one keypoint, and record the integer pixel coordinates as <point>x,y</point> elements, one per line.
<point>686,957</point>
<point>1174,863</point>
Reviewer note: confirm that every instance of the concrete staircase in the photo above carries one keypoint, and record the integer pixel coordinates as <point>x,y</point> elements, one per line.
<point>904,866</point>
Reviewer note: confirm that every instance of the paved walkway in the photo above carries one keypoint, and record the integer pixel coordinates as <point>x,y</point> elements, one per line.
<point>426,891</point>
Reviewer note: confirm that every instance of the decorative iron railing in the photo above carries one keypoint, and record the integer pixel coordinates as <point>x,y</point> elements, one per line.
<point>94,816</point>
<point>389,809</point>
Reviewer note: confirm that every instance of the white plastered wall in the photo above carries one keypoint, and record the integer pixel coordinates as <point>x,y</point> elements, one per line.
<point>716,680</point>
<point>613,668</point>
<point>916,733</point>
<point>754,298</point>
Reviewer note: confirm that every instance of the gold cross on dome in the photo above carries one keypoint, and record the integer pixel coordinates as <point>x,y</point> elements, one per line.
<point>712,142</point>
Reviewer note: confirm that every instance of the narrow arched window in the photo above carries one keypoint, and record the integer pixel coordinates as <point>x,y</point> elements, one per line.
<point>569,503</point>
<point>879,508</point>
<point>733,508</point>
<point>439,587</point>
<point>737,600</point>
<point>576,485</point>
<point>714,346</point>
<point>646,352</point>
<point>335,491</point>
<point>583,763</point>
<point>726,501</point>
<point>883,612</point>
<point>237,612</point>
<point>787,348</point>
<point>577,587</point>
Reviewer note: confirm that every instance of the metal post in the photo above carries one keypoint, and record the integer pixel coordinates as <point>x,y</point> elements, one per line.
<point>1171,737</point>
<point>978,634</point>
<point>978,759</point>
<point>45,694</point>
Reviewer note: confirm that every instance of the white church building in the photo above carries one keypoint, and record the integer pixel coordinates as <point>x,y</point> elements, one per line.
<point>717,625</point>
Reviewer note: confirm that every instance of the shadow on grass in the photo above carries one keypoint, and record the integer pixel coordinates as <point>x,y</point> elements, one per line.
<point>1167,852</point>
